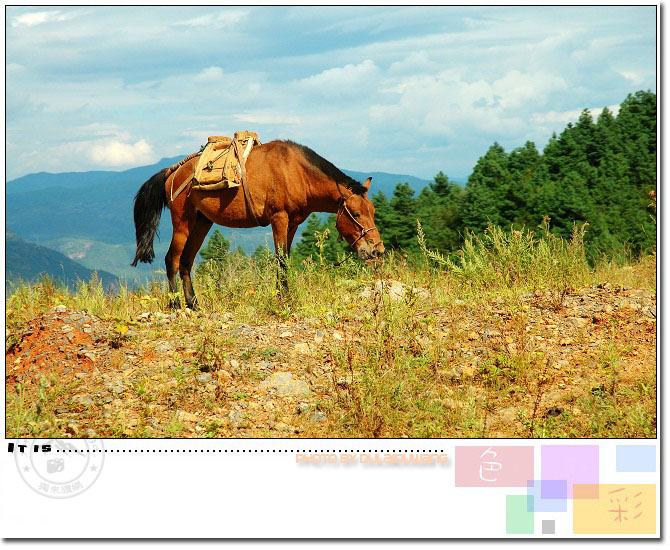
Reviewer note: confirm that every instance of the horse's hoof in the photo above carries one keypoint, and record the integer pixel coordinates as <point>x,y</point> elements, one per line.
<point>193,306</point>
<point>174,304</point>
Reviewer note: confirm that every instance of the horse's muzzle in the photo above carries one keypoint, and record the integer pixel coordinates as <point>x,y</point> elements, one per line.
<point>370,254</point>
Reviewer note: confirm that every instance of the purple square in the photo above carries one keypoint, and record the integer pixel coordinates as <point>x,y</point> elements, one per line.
<point>576,464</point>
<point>547,495</point>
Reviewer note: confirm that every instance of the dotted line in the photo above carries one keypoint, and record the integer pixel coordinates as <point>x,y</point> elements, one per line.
<point>235,451</point>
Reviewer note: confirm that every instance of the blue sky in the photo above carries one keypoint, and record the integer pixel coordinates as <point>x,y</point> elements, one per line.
<point>398,89</point>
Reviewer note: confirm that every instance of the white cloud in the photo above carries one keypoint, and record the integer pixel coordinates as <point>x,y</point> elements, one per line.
<point>363,136</point>
<point>199,135</point>
<point>632,77</point>
<point>14,69</point>
<point>227,17</point>
<point>103,130</point>
<point>116,153</point>
<point>446,103</point>
<point>267,118</point>
<point>350,79</point>
<point>38,17</point>
<point>563,117</point>
<point>210,74</point>
<point>413,63</point>
<point>516,89</point>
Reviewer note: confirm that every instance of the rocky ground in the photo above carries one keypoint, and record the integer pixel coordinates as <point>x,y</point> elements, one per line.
<point>183,374</point>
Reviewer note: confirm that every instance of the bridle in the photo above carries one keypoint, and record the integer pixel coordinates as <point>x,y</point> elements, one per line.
<point>343,208</point>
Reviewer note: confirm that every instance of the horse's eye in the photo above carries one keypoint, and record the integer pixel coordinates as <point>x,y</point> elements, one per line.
<point>357,215</point>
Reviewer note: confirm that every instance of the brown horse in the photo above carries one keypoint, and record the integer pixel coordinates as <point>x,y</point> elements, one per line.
<point>286,182</point>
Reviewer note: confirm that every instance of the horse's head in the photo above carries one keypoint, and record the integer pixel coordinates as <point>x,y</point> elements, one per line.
<point>356,223</point>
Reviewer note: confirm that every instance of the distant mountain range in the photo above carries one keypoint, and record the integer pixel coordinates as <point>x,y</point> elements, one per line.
<point>87,217</point>
<point>28,262</point>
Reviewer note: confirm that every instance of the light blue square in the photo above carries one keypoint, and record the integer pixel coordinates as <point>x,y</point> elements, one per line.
<point>547,495</point>
<point>636,458</point>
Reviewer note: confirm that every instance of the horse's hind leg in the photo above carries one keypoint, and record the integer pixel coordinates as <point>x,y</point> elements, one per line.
<point>193,244</point>
<point>182,225</point>
<point>172,267</point>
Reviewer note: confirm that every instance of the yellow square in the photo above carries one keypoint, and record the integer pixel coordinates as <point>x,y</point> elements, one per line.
<point>614,509</point>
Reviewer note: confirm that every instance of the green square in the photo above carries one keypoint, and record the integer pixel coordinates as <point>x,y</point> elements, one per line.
<point>519,521</point>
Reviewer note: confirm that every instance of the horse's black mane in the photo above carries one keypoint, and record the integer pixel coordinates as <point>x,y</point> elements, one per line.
<point>328,168</point>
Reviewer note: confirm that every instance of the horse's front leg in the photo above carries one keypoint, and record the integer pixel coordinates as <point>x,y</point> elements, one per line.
<point>280,233</point>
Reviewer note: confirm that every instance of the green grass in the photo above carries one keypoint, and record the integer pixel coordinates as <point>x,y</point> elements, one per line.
<point>402,367</point>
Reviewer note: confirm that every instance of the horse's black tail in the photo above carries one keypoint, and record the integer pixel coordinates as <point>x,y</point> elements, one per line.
<point>149,203</point>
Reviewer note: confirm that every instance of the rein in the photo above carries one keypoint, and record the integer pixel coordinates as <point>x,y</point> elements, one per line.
<point>343,208</point>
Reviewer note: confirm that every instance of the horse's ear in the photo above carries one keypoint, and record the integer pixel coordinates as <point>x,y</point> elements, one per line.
<point>367,183</point>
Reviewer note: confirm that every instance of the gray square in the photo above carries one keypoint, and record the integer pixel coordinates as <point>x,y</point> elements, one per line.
<point>548,527</point>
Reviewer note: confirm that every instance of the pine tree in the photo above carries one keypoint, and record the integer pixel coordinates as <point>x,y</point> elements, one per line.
<point>307,245</point>
<point>217,247</point>
<point>439,210</point>
<point>401,222</point>
<point>489,192</point>
<point>382,214</point>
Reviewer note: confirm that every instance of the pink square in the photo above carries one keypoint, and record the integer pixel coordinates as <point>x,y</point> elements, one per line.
<point>494,466</point>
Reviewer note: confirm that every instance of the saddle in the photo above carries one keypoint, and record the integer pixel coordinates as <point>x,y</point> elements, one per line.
<point>221,164</point>
<point>222,161</point>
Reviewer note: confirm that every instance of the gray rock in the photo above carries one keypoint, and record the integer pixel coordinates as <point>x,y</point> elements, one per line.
<point>553,397</point>
<point>303,408</point>
<point>204,377</point>
<point>184,416</point>
<point>117,387</point>
<point>164,346</point>
<point>507,415</point>
<point>60,308</point>
<point>318,416</point>
<point>285,385</point>
<point>83,399</point>
<point>394,289</point>
<point>579,322</point>
<point>236,418</point>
